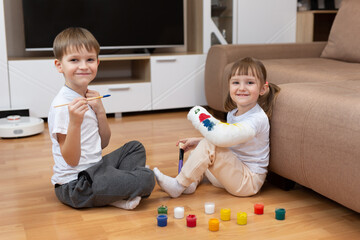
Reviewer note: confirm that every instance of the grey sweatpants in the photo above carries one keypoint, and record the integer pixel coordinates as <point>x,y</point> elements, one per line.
<point>119,175</point>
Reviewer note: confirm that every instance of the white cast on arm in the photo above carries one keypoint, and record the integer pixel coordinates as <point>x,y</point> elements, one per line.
<point>219,133</point>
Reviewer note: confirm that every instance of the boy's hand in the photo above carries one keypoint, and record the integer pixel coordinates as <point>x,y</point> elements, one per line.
<point>98,107</point>
<point>77,109</point>
<point>96,104</point>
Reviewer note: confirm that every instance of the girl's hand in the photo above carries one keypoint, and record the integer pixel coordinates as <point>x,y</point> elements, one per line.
<point>189,143</point>
<point>96,104</point>
<point>77,109</point>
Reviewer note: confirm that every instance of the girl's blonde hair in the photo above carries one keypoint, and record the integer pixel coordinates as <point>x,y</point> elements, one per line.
<point>254,67</point>
<point>74,38</point>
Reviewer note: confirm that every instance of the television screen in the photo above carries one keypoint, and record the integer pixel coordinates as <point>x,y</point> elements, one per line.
<point>116,24</point>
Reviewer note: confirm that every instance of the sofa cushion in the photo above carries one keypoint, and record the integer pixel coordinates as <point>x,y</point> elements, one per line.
<point>304,70</point>
<point>344,38</point>
<point>310,70</point>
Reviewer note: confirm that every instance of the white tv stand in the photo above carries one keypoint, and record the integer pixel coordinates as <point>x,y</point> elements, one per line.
<point>136,83</point>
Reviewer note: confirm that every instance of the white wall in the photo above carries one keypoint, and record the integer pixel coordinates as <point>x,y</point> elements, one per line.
<point>265,21</point>
<point>254,21</point>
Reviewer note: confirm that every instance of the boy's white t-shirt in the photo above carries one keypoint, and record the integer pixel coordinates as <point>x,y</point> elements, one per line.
<point>58,122</point>
<point>255,152</point>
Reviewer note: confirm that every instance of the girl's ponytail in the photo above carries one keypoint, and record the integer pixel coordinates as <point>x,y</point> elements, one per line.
<point>267,100</point>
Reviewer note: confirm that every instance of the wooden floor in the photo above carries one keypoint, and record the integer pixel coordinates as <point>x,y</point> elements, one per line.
<point>30,210</point>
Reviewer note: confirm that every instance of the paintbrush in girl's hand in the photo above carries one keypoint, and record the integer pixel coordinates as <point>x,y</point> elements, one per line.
<point>181,156</point>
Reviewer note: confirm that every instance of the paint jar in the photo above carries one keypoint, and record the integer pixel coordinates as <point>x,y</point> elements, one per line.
<point>209,207</point>
<point>241,218</point>
<point>179,212</point>
<point>280,214</point>
<point>191,221</point>
<point>259,208</point>
<point>214,224</point>
<point>162,209</point>
<point>225,214</point>
<point>162,220</point>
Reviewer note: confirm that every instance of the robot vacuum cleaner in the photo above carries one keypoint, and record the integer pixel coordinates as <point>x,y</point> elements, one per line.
<point>18,126</point>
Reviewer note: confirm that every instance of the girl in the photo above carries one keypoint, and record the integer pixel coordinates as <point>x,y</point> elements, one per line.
<point>240,169</point>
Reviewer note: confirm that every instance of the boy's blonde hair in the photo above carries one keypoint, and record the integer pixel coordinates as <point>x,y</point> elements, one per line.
<point>254,67</point>
<point>74,38</point>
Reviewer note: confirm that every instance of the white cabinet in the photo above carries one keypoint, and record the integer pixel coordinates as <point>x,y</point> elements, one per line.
<point>127,80</point>
<point>177,81</point>
<point>34,84</point>
<point>125,97</point>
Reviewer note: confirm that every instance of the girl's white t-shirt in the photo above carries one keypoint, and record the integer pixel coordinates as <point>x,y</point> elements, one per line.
<point>255,152</point>
<point>58,122</point>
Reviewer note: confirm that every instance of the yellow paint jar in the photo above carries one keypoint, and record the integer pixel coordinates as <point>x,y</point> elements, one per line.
<point>241,218</point>
<point>225,214</point>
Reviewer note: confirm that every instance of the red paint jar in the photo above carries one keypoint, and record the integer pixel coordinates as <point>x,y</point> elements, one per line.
<point>259,209</point>
<point>191,221</point>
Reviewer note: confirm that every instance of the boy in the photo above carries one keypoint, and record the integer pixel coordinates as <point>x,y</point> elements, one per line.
<point>79,132</point>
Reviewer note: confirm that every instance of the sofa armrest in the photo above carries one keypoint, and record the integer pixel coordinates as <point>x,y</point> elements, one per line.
<point>221,55</point>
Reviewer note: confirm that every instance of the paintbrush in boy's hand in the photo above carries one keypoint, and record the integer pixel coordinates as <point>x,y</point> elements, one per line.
<point>88,99</point>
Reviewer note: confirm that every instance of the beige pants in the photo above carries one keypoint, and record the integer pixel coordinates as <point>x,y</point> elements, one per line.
<point>222,168</point>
